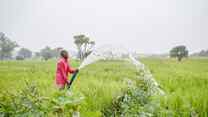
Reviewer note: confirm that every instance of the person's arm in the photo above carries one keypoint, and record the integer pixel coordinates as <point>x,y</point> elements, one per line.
<point>70,69</point>
<point>62,70</point>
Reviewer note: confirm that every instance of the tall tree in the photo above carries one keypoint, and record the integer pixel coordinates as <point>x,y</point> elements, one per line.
<point>203,53</point>
<point>84,45</point>
<point>6,47</point>
<point>24,53</point>
<point>47,53</point>
<point>37,55</point>
<point>79,41</point>
<point>179,52</point>
<point>56,51</point>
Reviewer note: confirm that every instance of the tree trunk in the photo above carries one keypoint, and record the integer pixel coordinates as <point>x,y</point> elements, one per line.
<point>179,59</point>
<point>79,53</point>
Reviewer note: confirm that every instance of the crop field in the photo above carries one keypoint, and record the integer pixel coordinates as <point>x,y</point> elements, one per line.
<point>185,84</point>
<point>99,82</point>
<point>104,86</point>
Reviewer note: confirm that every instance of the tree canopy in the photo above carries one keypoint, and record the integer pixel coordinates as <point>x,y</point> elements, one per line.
<point>6,47</point>
<point>84,45</point>
<point>48,53</point>
<point>24,53</point>
<point>179,52</point>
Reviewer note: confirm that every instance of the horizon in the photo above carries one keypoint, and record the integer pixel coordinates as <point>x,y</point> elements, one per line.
<point>142,26</point>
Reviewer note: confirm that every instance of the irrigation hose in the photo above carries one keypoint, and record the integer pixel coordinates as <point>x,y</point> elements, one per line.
<point>72,79</point>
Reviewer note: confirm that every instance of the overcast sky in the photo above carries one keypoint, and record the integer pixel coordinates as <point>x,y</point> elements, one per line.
<point>146,26</point>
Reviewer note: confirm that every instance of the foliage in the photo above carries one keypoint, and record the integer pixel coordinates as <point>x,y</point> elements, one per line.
<point>27,102</point>
<point>19,58</point>
<point>24,53</point>
<point>202,53</point>
<point>136,101</point>
<point>99,83</point>
<point>179,52</point>
<point>65,102</point>
<point>37,55</point>
<point>84,45</point>
<point>185,85</point>
<point>30,102</point>
<point>48,53</point>
<point>104,87</point>
<point>6,47</point>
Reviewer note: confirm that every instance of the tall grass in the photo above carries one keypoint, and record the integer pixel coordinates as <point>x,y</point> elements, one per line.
<point>99,82</point>
<point>185,84</point>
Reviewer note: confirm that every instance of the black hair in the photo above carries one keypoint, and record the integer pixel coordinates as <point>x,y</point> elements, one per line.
<point>63,53</point>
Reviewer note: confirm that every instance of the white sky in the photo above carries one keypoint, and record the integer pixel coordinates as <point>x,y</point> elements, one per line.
<point>146,26</point>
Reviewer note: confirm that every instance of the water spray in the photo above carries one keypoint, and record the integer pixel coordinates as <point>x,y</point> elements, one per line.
<point>108,52</point>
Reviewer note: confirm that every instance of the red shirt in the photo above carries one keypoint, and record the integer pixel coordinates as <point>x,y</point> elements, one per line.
<point>62,72</point>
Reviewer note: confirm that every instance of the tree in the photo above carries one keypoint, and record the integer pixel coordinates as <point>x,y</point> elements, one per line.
<point>6,47</point>
<point>203,53</point>
<point>78,40</point>
<point>37,54</point>
<point>56,52</point>
<point>47,53</point>
<point>19,58</point>
<point>179,52</point>
<point>84,45</point>
<point>24,53</point>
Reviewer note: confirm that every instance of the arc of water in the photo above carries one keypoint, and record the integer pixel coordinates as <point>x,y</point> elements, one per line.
<point>107,52</point>
<point>147,77</point>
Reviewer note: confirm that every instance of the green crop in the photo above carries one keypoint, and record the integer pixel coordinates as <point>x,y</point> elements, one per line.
<point>27,88</point>
<point>98,83</point>
<point>185,84</point>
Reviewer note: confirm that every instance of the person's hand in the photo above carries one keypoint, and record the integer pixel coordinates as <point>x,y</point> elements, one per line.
<point>68,81</point>
<point>77,70</point>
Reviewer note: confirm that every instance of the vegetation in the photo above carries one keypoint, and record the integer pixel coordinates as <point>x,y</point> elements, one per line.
<point>185,85</point>
<point>202,53</point>
<point>84,45</point>
<point>24,53</point>
<point>99,85</point>
<point>179,52</point>
<point>106,88</point>
<point>6,47</point>
<point>48,53</point>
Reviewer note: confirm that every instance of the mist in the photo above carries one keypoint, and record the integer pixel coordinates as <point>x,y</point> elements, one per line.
<point>145,26</point>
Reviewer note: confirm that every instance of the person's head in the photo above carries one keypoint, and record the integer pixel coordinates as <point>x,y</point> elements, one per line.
<point>64,54</point>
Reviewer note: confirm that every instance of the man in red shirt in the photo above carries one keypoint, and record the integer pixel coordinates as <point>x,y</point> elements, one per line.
<point>63,70</point>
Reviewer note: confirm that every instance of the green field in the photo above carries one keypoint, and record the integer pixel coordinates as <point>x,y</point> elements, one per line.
<point>186,84</point>
<point>101,83</point>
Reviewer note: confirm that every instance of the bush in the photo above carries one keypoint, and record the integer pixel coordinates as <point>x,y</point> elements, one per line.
<point>30,103</point>
<point>136,101</point>
<point>19,58</point>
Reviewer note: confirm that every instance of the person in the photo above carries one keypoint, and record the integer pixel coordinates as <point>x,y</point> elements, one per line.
<point>63,70</point>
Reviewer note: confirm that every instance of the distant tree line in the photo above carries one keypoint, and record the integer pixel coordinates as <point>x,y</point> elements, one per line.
<point>24,53</point>
<point>48,53</point>
<point>7,47</point>
<point>202,53</point>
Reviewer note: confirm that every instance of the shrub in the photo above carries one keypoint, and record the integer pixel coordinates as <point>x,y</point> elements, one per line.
<point>30,103</point>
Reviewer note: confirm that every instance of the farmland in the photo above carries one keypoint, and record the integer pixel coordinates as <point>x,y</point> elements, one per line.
<point>99,83</point>
<point>185,83</point>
